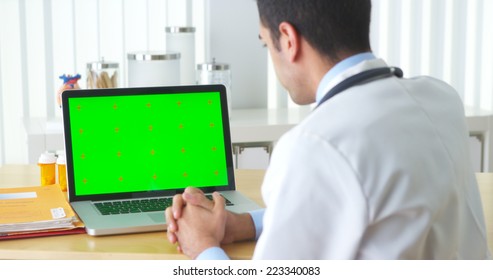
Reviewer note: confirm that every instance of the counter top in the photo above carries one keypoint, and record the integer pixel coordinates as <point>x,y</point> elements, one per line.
<point>255,126</point>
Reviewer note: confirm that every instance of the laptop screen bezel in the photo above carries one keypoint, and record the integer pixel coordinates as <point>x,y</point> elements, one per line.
<point>190,89</point>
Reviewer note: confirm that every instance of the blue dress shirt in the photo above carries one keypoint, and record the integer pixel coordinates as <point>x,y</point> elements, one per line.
<point>216,253</point>
<point>338,69</point>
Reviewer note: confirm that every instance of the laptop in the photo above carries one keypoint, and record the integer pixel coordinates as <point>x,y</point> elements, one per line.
<point>129,150</point>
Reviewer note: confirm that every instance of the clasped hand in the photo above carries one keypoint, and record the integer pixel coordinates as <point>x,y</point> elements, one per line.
<point>195,222</point>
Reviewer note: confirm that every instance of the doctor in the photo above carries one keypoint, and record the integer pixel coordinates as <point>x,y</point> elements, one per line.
<point>379,170</point>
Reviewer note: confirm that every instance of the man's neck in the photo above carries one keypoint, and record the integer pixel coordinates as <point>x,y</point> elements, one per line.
<point>337,69</point>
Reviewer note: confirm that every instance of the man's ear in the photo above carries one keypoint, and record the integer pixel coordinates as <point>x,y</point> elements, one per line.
<point>289,40</point>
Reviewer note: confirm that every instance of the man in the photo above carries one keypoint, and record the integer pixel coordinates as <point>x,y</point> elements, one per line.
<point>379,170</point>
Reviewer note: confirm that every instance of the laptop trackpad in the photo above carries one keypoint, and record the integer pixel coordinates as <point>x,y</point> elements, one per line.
<point>157,217</point>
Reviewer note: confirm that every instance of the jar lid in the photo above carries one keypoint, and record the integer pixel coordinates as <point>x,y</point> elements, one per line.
<point>179,29</point>
<point>99,65</point>
<point>213,66</point>
<point>153,55</point>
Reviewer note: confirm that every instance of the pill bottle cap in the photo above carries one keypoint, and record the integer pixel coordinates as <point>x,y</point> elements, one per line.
<point>61,159</point>
<point>47,158</point>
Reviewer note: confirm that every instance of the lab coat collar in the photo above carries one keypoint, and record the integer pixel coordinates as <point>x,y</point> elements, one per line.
<point>330,80</point>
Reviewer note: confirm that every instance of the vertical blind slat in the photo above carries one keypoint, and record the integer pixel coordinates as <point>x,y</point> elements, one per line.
<point>34,22</point>
<point>23,59</point>
<point>470,86</point>
<point>86,36</point>
<point>478,54</point>
<point>156,23</point>
<point>74,36</point>
<point>436,38</point>
<point>487,57</point>
<point>2,116</point>
<point>49,64</point>
<point>394,33</point>
<point>415,39</point>
<point>64,44</point>
<point>458,57</point>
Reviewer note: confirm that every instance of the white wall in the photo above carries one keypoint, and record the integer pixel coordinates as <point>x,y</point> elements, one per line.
<point>233,37</point>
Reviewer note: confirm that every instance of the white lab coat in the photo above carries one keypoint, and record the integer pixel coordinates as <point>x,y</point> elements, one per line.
<point>380,171</point>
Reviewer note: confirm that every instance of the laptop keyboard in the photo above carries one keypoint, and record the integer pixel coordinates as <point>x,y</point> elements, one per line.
<point>226,201</point>
<point>139,205</point>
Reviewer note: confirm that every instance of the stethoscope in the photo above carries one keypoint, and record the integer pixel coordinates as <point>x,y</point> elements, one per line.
<point>365,76</point>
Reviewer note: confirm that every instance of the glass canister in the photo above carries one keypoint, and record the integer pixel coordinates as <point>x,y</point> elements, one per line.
<point>153,68</point>
<point>182,40</point>
<point>102,74</point>
<point>215,73</point>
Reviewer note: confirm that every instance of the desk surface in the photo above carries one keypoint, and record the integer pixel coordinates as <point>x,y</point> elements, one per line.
<point>150,245</point>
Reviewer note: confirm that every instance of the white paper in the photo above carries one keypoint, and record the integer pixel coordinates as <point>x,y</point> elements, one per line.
<point>58,213</point>
<point>18,195</point>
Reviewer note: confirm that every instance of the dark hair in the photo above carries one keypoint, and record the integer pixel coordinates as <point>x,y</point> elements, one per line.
<point>330,26</point>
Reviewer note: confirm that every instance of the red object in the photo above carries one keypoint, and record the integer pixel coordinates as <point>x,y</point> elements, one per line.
<point>43,233</point>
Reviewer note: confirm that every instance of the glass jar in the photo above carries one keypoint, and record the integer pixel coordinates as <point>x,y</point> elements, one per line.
<point>182,40</point>
<point>102,74</point>
<point>153,68</point>
<point>215,73</point>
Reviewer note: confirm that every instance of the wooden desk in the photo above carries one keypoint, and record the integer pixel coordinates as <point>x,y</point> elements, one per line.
<point>151,245</point>
<point>148,246</point>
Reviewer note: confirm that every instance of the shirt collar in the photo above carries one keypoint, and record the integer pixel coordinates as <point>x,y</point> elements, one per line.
<point>338,69</point>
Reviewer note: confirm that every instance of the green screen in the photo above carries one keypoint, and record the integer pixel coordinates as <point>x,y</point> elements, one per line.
<point>147,142</point>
